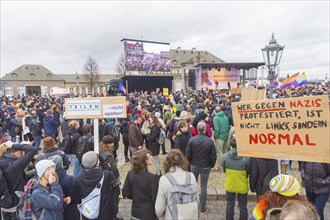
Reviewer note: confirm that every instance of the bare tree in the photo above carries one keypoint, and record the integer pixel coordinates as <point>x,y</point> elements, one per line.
<point>121,65</point>
<point>91,72</point>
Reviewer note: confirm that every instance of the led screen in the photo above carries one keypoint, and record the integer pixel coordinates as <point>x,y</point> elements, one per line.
<point>146,56</point>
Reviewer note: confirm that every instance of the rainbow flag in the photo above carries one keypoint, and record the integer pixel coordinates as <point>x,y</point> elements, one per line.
<point>301,80</point>
<point>257,213</point>
<point>122,89</point>
<point>289,81</point>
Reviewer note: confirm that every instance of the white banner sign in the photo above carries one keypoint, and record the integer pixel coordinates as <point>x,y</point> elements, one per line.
<point>115,110</point>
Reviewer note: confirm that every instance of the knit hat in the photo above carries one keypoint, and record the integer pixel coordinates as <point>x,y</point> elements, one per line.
<point>57,159</point>
<point>89,160</point>
<point>285,185</point>
<point>42,166</point>
<point>49,142</point>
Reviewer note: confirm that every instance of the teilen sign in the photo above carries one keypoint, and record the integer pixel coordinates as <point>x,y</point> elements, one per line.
<point>295,128</point>
<point>95,108</point>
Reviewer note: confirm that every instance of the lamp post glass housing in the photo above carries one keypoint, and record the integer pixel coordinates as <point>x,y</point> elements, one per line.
<point>272,54</point>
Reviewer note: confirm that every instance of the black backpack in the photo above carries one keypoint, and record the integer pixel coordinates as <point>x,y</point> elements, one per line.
<point>6,199</point>
<point>111,130</point>
<point>66,144</point>
<point>84,144</point>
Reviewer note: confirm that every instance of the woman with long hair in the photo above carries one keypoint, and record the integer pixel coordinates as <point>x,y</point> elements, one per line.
<point>152,143</point>
<point>176,164</point>
<point>141,186</point>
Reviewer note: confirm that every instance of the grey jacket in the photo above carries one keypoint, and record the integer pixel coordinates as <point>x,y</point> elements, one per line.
<point>316,177</point>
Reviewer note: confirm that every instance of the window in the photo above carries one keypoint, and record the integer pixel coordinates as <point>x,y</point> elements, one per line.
<point>21,90</point>
<point>9,91</point>
<point>14,74</point>
<point>32,75</point>
<point>71,90</point>
<point>49,75</point>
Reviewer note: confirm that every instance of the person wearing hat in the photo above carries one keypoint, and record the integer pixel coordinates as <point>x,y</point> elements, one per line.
<point>283,188</point>
<point>70,193</point>
<point>90,176</point>
<point>51,149</point>
<point>47,194</point>
<point>50,124</point>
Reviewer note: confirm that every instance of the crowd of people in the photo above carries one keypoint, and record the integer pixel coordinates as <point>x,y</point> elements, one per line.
<point>59,178</point>
<point>147,63</point>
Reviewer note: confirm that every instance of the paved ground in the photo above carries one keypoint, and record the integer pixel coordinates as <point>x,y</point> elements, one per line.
<point>216,210</point>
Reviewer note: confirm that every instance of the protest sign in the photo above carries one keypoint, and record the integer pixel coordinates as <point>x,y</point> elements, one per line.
<point>236,90</point>
<point>294,129</point>
<point>98,107</point>
<point>253,94</point>
<point>165,91</point>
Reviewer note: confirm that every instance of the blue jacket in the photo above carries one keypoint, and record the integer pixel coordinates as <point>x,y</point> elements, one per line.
<point>51,199</point>
<point>13,123</point>
<point>50,126</point>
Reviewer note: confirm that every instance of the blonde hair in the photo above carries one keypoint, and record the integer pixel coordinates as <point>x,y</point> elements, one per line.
<point>73,124</point>
<point>3,149</point>
<point>299,210</point>
<point>44,182</point>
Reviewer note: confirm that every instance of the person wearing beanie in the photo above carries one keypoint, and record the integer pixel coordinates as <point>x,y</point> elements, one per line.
<point>50,149</point>
<point>68,184</point>
<point>283,188</point>
<point>90,176</point>
<point>47,195</point>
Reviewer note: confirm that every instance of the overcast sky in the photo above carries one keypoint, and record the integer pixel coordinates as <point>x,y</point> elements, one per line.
<point>61,35</point>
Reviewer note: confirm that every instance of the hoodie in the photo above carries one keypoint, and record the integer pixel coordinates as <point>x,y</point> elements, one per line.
<point>236,169</point>
<point>50,125</point>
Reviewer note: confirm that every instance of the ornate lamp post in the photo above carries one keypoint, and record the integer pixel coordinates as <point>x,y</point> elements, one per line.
<point>272,54</point>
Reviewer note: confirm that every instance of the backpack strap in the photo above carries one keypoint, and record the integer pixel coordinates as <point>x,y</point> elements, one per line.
<point>171,179</point>
<point>188,178</point>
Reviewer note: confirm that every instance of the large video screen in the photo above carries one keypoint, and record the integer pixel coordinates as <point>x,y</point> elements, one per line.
<point>146,56</point>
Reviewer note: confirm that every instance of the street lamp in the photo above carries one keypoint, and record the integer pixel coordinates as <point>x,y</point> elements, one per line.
<point>272,54</point>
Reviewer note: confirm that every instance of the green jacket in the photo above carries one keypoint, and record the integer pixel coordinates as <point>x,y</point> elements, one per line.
<point>221,126</point>
<point>236,169</point>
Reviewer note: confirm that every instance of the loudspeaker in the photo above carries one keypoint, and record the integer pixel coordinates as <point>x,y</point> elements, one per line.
<point>192,79</point>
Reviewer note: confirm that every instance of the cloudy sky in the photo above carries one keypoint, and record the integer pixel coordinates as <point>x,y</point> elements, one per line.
<point>61,35</point>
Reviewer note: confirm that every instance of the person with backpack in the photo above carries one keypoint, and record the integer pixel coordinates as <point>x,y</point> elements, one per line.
<point>85,142</point>
<point>141,186</point>
<point>236,181</point>
<point>47,194</point>
<point>11,124</point>
<point>202,157</point>
<point>13,160</point>
<point>162,136</point>
<point>177,180</point>
<point>111,129</point>
<point>95,181</point>
<point>50,149</point>
<point>124,132</point>
<point>70,193</point>
<point>70,144</point>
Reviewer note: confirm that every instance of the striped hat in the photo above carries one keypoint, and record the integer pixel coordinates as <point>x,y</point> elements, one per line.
<point>285,185</point>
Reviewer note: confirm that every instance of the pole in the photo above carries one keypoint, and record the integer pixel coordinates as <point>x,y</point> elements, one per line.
<point>96,135</point>
<point>271,82</point>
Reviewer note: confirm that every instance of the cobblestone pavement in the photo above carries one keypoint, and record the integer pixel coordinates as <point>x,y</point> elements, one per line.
<point>216,210</point>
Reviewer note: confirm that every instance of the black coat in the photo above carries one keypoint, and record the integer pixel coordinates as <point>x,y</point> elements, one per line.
<point>69,188</point>
<point>142,189</point>
<point>74,140</point>
<point>152,143</point>
<point>13,169</point>
<point>86,182</point>
<point>261,172</point>
<point>201,151</point>
<point>181,141</point>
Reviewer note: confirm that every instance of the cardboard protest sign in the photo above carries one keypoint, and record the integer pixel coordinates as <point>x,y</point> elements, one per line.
<point>253,94</point>
<point>165,91</point>
<point>294,129</point>
<point>236,90</point>
<point>98,107</point>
